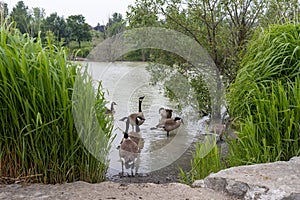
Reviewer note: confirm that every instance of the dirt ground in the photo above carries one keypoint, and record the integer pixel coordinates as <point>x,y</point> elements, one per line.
<point>108,190</point>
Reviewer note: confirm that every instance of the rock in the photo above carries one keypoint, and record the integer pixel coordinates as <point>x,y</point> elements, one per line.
<point>108,190</point>
<point>293,196</point>
<point>270,181</point>
<point>278,180</point>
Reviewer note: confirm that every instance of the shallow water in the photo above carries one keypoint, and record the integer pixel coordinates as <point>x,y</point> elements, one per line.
<point>161,156</point>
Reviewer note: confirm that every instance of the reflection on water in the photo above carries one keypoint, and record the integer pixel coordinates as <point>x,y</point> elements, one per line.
<point>125,83</point>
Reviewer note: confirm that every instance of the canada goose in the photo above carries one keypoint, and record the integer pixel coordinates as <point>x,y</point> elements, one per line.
<point>220,129</point>
<point>128,151</point>
<point>172,124</point>
<point>111,111</point>
<point>133,117</point>
<point>135,135</point>
<point>165,113</point>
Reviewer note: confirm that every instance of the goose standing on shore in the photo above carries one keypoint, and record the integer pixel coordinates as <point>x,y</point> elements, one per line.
<point>171,124</point>
<point>128,151</point>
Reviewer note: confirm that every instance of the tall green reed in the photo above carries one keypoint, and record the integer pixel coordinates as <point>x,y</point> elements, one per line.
<point>273,133</point>
<point>264,103</point>
<point>39,142</point>
<point>265,98</point>
<point>207,159</point>
<point>273,54</point>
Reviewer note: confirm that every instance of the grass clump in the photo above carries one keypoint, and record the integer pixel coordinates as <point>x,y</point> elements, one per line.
<point>206,159</point>
<point>265,98</point>
<point>39,141</point>
<point>264,101</point>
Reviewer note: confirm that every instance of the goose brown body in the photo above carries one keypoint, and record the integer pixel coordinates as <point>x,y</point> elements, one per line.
<point>128,151</point>
<point>165,114</point>
<point>172,124</point>
<point>136,136</point>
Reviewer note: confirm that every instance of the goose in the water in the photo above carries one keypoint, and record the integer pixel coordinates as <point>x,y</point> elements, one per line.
<point>171,124</point>
<point>111,111</point>
<point>128,151</point>
<point>136,136</point>
<point>133,117</point>
<point>165,113</point>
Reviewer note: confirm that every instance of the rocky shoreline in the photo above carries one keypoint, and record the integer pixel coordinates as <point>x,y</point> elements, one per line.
<point>276,181</point>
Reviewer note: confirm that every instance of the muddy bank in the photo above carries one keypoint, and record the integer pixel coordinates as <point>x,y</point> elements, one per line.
<point>167,174</point>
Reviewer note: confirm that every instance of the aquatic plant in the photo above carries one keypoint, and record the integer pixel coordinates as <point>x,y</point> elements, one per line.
<point>265,97</point>
<point>39,142</point>
<point>203,162</point>
<point>264,103</point>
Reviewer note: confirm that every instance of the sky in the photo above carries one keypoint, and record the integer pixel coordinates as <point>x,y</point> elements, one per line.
<point>94,11</point>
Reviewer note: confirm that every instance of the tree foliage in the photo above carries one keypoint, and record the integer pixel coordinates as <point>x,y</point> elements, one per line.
<point>38,15</point>
<point>79,29</point>
<point>20,14</point>
<point>3,11</point>
<point>115,25</point>
<point>57,25</point>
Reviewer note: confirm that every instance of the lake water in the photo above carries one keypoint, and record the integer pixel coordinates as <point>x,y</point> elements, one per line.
<point>161,156</point>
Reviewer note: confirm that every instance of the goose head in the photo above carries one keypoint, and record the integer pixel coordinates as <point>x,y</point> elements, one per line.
<point>141,98</point>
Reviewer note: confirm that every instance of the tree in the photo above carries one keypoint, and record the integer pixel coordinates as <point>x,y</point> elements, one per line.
<point>144,13</point>
<point>36,23</point>
<point>281,11</point>
<point>79,29</point>
<point>115,25</point>
<point>57,25</point>
<point>3,11</point>
<point>20,14</point>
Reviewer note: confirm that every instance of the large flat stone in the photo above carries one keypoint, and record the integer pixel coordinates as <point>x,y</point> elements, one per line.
<point>108,190</point>
<point>278,180</point>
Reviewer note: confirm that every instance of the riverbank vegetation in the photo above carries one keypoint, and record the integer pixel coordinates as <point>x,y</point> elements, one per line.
<point>254,45</point>
<point>264,101</point>
<point>39,142</point>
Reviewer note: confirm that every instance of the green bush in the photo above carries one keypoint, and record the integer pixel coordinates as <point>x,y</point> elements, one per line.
<point>265,98</point>
<point>39,142</point>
